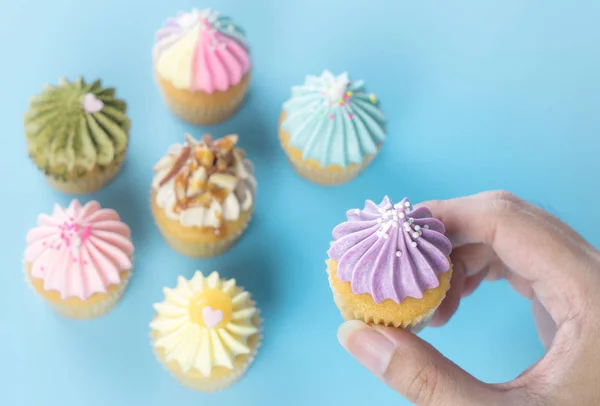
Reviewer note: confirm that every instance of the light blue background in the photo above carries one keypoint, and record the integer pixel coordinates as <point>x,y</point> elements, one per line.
<point>479,95</point>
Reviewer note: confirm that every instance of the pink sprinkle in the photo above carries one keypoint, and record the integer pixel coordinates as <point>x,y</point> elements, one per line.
<point>74,259</point>
<point>58,246</point>
<point>331,116</point>
<point>44,243</point>
<point>41,268</point>
<point>84,262</point>
<point>350,115</point>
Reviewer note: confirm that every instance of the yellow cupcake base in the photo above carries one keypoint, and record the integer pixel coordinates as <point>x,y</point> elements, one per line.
<point>203,108</point>
<point>95,306</point>
<point>220,377</point>
<point>199,242</point>
<point>412,314</point>
<point>312,170</point>
<point>93,181</point>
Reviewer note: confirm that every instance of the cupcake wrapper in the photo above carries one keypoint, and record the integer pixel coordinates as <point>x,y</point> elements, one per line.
<point>203,116</point>
<point>415,325</point>
<point>200,249</point>
<point>91,312</point>
<point>328,178</point>
<point>208,385</point>
<point>85,185</point>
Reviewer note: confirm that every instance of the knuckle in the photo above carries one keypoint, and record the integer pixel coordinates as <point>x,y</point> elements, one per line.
<point>503,195</point>
<point>423,384</point>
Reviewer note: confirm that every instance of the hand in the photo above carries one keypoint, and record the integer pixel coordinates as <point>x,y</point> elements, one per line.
<point>496,235</point>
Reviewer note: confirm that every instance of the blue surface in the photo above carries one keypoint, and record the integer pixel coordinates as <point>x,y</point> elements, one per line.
<point>479,95</point>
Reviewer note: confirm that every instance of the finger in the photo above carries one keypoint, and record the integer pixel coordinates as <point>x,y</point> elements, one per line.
<point>527,245</point>
<point>473,257</point>
<point>414,368</point>
<point>558,225</point>
<point>472,282</point>
<point>450,303</point>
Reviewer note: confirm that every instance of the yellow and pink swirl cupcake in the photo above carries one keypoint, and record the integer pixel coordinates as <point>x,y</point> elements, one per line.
<point>79,259</point>
<point>202,64</point>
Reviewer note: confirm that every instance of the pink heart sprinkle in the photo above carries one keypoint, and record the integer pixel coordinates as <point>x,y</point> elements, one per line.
<point>91,104</point>
<point>211,316</point>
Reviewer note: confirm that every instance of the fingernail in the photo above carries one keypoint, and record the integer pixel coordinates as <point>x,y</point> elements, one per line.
<point>367,345</point>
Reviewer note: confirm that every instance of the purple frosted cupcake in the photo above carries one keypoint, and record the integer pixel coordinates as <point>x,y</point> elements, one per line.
<point>389,264</point>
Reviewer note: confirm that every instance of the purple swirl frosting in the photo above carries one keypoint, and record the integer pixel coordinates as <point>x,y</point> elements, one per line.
<point>391,251</point>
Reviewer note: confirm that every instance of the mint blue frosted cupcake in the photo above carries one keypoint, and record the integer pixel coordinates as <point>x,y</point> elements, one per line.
<point>331,128</point>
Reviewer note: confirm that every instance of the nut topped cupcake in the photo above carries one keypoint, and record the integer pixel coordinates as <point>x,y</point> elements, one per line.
<point>77,134</point>
<point>389,264</point>
<point>203,195</point>
<point>206,332</point>
<point>331,128</point>
<point>202,64</point>
<point>79,259</point>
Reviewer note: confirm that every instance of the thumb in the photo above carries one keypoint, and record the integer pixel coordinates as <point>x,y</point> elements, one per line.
<point>414,368</point>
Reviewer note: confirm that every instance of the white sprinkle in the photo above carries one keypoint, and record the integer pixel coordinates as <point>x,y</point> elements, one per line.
<point>414,243</point>
<point>415,235</point>
<point>407,204</point>
<point>386,236</point>
<point>417,227</point>
<point>388,206</point>
<point>411,220</point>
<point>356,211</point>
<point>398,205</point>
<point>394,224</point>
<point>379,220</point>
<point>401,215</point>
<point>398,253</point>
<point>381,210</point>
<point>426,227</point>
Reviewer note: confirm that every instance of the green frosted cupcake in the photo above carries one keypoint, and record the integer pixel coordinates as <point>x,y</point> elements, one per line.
<point>77,134</point>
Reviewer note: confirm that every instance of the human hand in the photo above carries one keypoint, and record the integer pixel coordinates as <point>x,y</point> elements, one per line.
<point>496,235</point>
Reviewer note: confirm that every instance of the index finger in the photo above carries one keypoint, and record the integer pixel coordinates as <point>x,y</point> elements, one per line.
<point>528,244</point>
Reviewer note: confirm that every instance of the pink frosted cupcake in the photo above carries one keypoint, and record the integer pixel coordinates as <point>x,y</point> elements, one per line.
<point>79,259</point>
<point>202,65</point>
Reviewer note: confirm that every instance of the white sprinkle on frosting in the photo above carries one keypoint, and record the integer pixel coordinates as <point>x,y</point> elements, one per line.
<point>414,243</point>
<point>398,254</point>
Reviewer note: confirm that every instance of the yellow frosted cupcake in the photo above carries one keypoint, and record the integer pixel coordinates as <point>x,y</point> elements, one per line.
<point>203,195</point>
<point>389,264</point>
<point>79,259</point>
<point>206,332</point>
<point>202,65</point>
<point>77,134</point>
<point>331,128</point>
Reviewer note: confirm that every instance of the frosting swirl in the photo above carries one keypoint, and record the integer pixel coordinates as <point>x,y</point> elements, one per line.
<point>391,251</point>
<point>79,251</point>
<point>333,120</point>
<point>75,127</point>
<point>201,50</point>
<point>204,323</point>
<point>205,183</point>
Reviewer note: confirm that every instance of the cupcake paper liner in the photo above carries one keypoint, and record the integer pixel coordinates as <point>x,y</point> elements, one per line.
<point>211,110</point>
<point>82,313</point>
<point>198,249</point>
<point>211,385</point>
<point>354,311</point>
<point>328,178</point>
<point>86,184</point>
<point>203,116</point>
